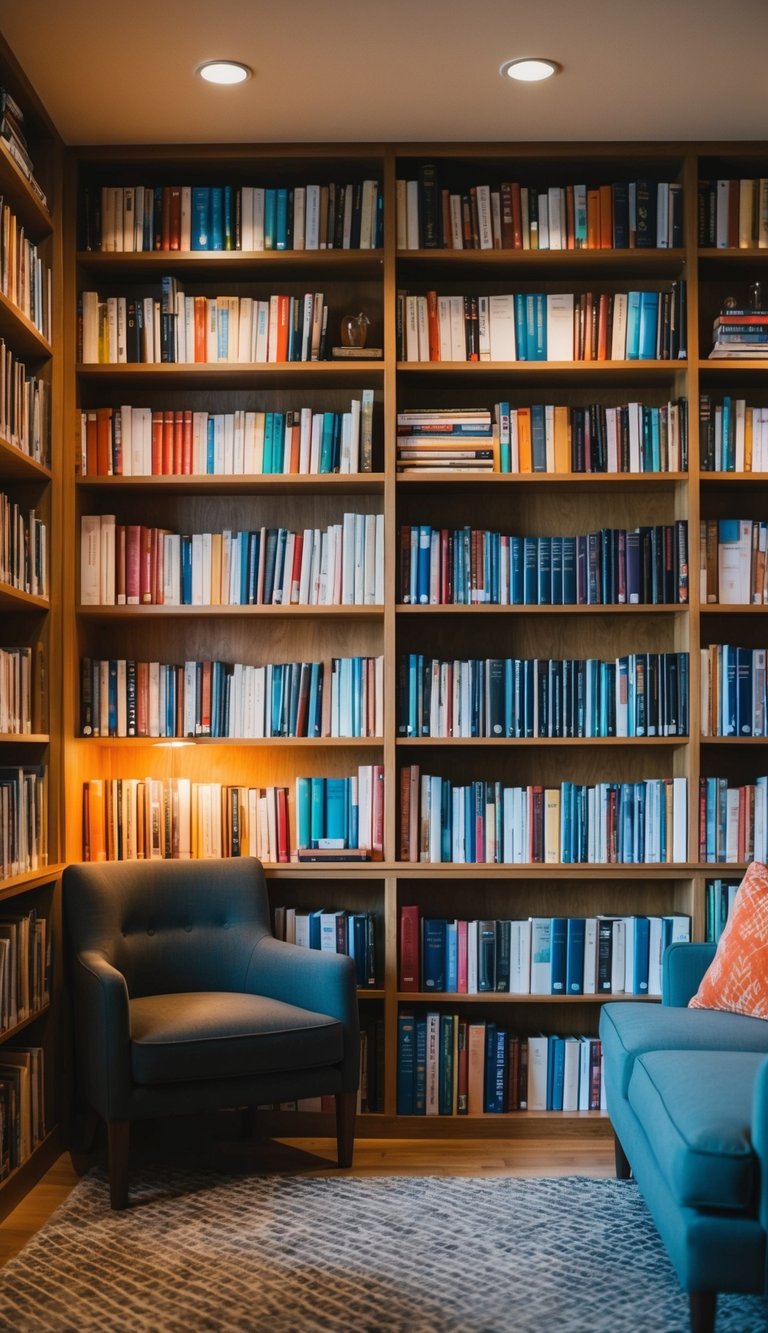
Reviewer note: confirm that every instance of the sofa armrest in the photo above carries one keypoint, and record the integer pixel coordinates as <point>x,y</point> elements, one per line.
<point>760,1137</point>
<point>102,1033</point>
<point>324,983</point>
<point>683,966</point>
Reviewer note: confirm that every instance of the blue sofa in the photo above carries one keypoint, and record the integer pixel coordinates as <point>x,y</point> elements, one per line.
<point>687,1094</point>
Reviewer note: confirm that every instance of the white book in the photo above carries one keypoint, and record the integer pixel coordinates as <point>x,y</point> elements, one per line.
<point>107,563</point>
<point>618,956</point>
<point>299,217</point>
<point>484,222</point>
<point>560,326</point>
<point>90,560</point>
<point>538,1063</point>
<point>619,332</point>
<point>501,318</point>
<point>556,212</point>
<point>312,223</point>
<point>571,1074</point>
<point>457,228</point>
<point>541,933</point>
<point>590,955</point>
<point>422,324</point>
<point>458,335</point>
<point>520,958</point>
<point>379,586</point>
<point>433,1063</point>
<point>483,329</point>
<point>444,327</point>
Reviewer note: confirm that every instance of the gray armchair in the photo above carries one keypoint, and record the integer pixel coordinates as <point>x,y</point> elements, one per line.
<point>183,1001</point>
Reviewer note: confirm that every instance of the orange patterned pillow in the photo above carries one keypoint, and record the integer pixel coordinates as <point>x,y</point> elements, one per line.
<point>737,978</point>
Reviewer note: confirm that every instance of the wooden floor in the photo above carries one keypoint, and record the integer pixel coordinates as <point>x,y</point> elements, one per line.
<point>373,1157</point>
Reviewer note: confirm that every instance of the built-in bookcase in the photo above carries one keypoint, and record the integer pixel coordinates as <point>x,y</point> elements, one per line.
<point>30,621</point>
<point>527,504</point>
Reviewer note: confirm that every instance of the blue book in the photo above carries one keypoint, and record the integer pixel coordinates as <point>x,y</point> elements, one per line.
<point>452,957</point>
<point>200,221</point>
<point>446,1057</point>
<point>642,945</point>
<point>536,326</point>
<point>315,928</point>
<point>516,571</point>
<point>633,326</point>
<point>317,811</point>
<point>446,800</point>
<point>420,1067</point>
<point>545,571</point>
<point>503,947</point>
<point>499,1071</point>
<point>538,437</point>
<point>486,956</point>
<point>281,218</point>
<point>505,455</point>
<point>647,325</point>
<point>422,571</point>
<point>326,443</point>
<point>555,1073</point>
<point>186,571</point>
<point>406,1064</point>
<point>433,953</point>
<point>574,969</point>
<point>303,796</point>
<point>530,571</point>
<point>315,702</point>
<point>270,219</point>
<point>278,442</point>
<point>556,543</point>
<point>210,447</point>
<point>558,954</point>
<point>521,323</point>
<point>336,808</point>
<point>112,699</point>
<point>489,1081</point>
<point>269,426</point>
<point>217,218</point>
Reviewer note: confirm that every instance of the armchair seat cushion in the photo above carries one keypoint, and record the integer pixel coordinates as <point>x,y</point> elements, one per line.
<point>629,1029</point>
<point>204,1035</point>
<point>697,1105</point>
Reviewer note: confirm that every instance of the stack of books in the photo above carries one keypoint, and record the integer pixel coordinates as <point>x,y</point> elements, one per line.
<point>741,333</point>
<point>457,439</point>
<point>12,135</point>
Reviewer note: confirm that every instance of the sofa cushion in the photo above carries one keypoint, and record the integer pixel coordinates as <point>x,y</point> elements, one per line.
<point>225,1034</point>
<point>696,1109</point>
<point>737,978</point>
<point>630,1028</point>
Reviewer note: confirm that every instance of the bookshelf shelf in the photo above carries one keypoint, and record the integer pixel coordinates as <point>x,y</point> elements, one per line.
<point>528,503</point>
<point>13,599</point>
<point>32,879</point>
<point>22,198</point>
<point>15,328</point>
<point>14,463</point>
<point>504,997</point>
<point>24,738</point>
<point>238,742</point>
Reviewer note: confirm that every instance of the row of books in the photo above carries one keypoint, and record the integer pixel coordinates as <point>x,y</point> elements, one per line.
<point>370,1093</point>
<point>341,818</point>
<point>22,1104</point>
<point>151,442</point>
<point>343,696</point>
<point>25,278</point>
<point>540,326</point>
<point>614,566</point>
<point>733,214</point>
<point>509,216</point>
<point>186,330</point>
<point>733,436</point>
<point>332,216</point>
<point>554,438</point>
<point>25,965</point>
<point>15,140</point>
<point>337,931</point>
<point>733,691</point>
<point>132,565</point>
<point>733,566</point>
<point>21,689</point>
<point>128,819</point>
<point>641,694</point>
<point>23,820</point>
<point>733,821</point>
<point>740,333</point>
<point>25,414</point>
<point>603,955</point>
<point>487,822</point>
<point>451,1065</point>
<point>719,895</point>
<point>23,548</point>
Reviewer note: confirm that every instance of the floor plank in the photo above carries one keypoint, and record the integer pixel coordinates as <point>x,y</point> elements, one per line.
<point>373,1157</point>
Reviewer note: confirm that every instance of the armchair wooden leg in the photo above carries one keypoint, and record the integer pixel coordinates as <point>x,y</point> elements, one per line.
<point>623,1168</point>
<point>346,1112</point>
<point>118,1133</point>
<point>703,1308</point>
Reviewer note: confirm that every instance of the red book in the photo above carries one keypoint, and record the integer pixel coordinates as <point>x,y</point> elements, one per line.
<point>410,933</point>
<point>91,448</point>
<point>405,814</point>
<point>433,327</point>
<point>283,850</point>
<point>145,565</point>
<point>167,465</point>
<point>157,444</point>
<point>298,549</point>
<point>104,441</point>
<point>178,443</point>
<point>158,568</point>
<point>132,563</point>
<point>377,822</point>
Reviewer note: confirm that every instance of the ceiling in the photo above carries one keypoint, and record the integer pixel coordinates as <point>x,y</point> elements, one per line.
<point>398,70</point>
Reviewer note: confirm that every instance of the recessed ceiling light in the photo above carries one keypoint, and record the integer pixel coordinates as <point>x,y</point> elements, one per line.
<point>528,70</point>
<point>224,71</point>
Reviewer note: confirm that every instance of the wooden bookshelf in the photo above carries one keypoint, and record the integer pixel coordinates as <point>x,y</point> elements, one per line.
<point>28,620</point>
<point>529,503</point>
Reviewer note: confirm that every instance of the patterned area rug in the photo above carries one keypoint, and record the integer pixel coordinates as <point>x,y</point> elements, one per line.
<point>208,1252</point>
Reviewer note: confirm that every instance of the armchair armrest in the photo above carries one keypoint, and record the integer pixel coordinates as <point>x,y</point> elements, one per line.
<point>102,1033</point>
<point>760,1137</point>
<point>321,982</point>
<point>683,966</point>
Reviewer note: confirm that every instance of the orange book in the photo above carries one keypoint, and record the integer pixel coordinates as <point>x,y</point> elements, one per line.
<point>283,304</point>
<point>178,443</point>
<point>201,328</point>
<point>295,441</point>
<point>593,219</point>
<point>476,1068</point>
<point>524,447</point>
<point>104,441</point>
<point>748,440</point>
<point>167,458</point>
<point>562,440</point>
<point>94,830</point>
<point>186,443</point>
<point>606,217</point>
